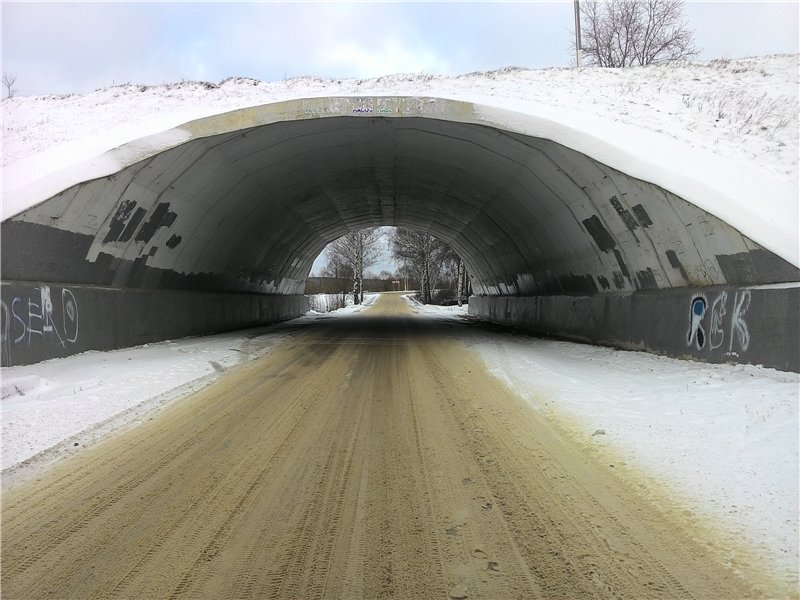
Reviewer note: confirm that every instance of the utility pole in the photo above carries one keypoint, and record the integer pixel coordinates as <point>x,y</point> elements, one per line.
<point>578,57</point>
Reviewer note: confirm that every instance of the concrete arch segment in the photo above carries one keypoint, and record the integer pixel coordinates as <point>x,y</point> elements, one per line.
<point>239,205</point>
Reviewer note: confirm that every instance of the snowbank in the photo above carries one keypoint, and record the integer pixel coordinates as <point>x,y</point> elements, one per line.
<point>49,407</point>
<point>325,303</point>
<point>744,108</point>
<point>723,439</point>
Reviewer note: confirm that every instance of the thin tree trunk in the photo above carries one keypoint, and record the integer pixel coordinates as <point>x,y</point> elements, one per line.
<point>361,269</point>
<point>426,284</point>
<point>460,291</point>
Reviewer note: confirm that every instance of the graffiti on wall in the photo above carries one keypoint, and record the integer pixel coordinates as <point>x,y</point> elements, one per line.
<point>43,316</point>
<point>720,324</point>
<point>697,333</point>
<point>381,106</point>
<point>363,106</point>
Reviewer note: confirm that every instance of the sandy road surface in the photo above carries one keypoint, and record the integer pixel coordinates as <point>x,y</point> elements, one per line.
<point>368,457</point>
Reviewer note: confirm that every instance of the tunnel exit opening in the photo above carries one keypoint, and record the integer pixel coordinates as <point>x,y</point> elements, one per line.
<point>383,259</point>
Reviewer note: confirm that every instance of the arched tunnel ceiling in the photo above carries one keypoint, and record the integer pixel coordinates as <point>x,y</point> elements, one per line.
<point>246,201</point>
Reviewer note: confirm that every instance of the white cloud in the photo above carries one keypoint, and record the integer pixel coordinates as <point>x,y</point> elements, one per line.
<point>388,57</point>
<point>77,47</point>
<point>70,47</point>
<point>330,39</point>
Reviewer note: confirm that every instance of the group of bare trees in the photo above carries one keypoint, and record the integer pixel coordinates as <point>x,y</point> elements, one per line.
<point>431,260</point>
<point>624,33</point>
<point>421,258</point>
<point>420,251</point>
<point>351,255</point>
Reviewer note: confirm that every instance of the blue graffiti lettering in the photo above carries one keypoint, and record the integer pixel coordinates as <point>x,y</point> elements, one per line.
<point>697,334</point>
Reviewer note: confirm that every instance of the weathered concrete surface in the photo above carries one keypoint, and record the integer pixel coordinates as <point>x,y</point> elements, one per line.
<point>45,320</point>
<point>245,201</point>
<point>251,211</point>
<point>720,324</point>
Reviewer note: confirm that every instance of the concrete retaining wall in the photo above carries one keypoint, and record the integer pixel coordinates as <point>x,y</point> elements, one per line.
<point>41,320</point>
<point>712,324</point>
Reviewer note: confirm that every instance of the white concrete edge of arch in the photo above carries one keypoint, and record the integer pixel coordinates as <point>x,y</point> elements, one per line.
<point>761,205</point>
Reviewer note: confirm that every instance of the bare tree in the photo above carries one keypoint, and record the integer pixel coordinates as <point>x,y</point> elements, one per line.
<point>357,250</point>
<point>623,33</point>
<point>454,274</point>
<point>336,267</point>
<point>336,275</point>
<point>8,82</point>
<point>462,280</point>
<point>423,253</point>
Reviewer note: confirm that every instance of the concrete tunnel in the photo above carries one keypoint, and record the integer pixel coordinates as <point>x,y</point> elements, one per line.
<point>214,226</point>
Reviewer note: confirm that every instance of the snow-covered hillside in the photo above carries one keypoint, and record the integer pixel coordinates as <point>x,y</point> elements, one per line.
<point>744,108</point>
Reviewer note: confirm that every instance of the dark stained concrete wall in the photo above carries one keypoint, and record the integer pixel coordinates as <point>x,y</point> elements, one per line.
<point>719,324</point>
<point>46,320</point>
<point>250,210</point>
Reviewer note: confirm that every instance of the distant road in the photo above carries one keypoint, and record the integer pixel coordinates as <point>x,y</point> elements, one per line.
<point>371,457</point>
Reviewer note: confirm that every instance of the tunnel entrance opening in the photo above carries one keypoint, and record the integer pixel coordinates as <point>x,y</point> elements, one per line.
<point>216,224</point>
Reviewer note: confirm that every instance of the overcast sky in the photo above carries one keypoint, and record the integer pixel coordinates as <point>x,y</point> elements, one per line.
<point>71,47</point>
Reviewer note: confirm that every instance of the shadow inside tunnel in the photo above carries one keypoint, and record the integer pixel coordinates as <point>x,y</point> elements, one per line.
<point>378,328</point>
<point>388,321</point>
<point>365,325</point>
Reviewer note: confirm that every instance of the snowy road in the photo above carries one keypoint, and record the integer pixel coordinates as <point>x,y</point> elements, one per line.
<point>366,456</point>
